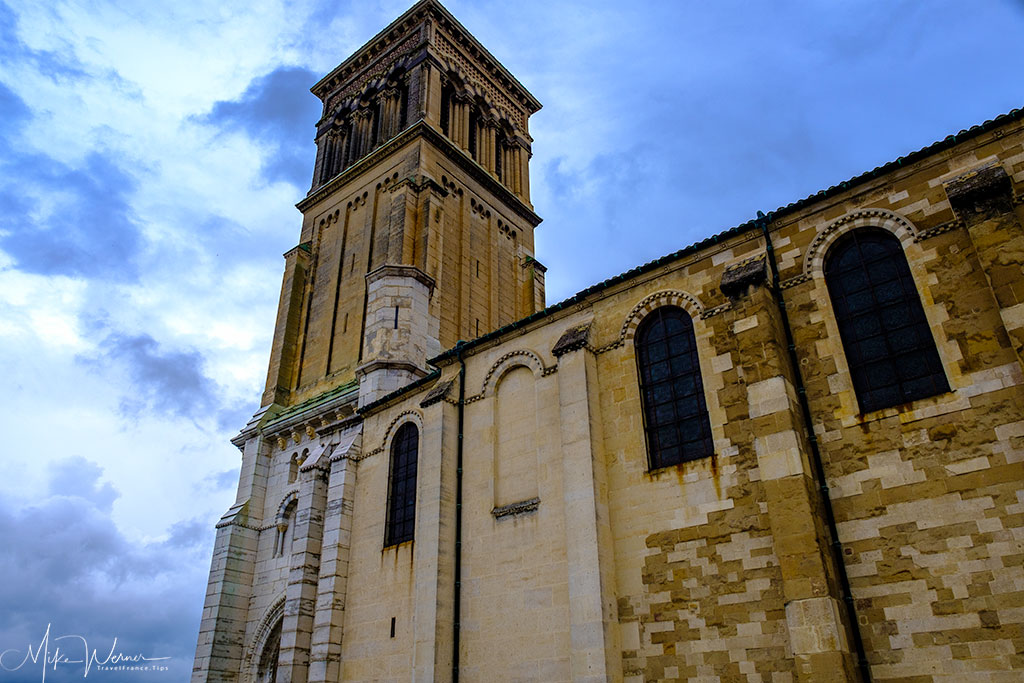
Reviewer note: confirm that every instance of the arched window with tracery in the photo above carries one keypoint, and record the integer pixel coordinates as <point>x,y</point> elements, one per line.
<point>889,347</point>
<point>401,518</point>
<point>675,414</point>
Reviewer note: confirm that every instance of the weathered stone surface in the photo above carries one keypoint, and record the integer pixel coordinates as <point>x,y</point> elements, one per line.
<point>720,568</point>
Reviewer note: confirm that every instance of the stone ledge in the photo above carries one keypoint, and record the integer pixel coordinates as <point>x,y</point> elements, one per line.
<point>400,271</point>
<point>979,187</point>
<point>571,340</point>
<point>384,364</point>
<point>437,394</point>
<point>737,279</point>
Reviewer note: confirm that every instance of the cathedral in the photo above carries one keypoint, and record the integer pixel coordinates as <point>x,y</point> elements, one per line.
<point>791,452</point>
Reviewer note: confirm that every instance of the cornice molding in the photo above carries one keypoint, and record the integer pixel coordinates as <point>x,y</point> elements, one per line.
<point>400,30</point>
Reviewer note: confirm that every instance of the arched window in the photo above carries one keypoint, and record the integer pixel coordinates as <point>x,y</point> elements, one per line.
<point>267,669</point>
<point>293,468</point>
<point>402,485</point>
<point>889,347</point>
<point>675,414</point>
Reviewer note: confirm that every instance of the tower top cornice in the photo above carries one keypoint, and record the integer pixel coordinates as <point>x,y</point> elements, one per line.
<point>419,27</point>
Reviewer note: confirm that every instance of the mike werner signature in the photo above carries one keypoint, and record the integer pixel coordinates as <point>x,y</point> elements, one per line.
<point>9,659</point>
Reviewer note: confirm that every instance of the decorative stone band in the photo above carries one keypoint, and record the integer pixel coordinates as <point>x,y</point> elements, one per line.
<point>921,236</point>
<point>520,508</point>
<point>679,298</point>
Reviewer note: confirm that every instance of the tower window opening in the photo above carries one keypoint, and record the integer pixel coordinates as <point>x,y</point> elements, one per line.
<point>403,105</point>
<point>396,317</point>
<point>497,159</point>
<point>446,108</point>
<point>375,124</point>
<point>473,125</point>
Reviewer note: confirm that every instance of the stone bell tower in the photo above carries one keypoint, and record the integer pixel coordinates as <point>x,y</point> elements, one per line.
<point>418,228</point>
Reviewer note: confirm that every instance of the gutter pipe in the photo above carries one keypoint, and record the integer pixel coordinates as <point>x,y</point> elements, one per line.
<point>817,466</point>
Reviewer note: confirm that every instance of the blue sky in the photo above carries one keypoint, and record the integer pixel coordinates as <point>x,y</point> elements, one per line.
<point>151,155</point>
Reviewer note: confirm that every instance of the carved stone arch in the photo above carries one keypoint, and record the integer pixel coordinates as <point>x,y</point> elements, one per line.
<point>398,68</point>
<point>814,257</point>
<point>271,617</point>
<point>512,359</point>
<point>282,510</point>
<point>673,297</point>
<point>505,124</point>
<point>456,76</point>
<point>413,416</point>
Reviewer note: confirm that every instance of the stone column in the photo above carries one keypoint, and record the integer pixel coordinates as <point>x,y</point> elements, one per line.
<point>301,591</point>
<point>595,654</point>
<point>458,117</point>
<point>425,94</point>
<point>325,663</point>
<point>221,646</point>
<point>423,245</point>
<point>533,286</point>
<point>320,171</point>
<point>488,138</point>
<point>360,136</point>
<point>390,101</point>
<point>434,551</point>
<point>814,612</point>
<point>983,200</point>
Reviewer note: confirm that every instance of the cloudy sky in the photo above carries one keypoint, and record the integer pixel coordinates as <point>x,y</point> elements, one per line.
<point>150,157</point>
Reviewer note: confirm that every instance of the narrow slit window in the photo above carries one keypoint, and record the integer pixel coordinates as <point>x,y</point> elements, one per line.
<point>888,345</point>
<point>676,422</point>
<point>402,486</point>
